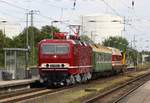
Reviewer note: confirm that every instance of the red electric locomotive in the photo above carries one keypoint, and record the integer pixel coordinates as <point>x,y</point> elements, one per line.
<point>64,61</point>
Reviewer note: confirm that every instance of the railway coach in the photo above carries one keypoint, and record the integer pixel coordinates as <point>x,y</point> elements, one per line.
<point>102,61</point>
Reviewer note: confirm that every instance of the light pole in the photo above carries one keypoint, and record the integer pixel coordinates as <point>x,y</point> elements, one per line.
<point>92,21</point>
<point>4,21</point>
<point>27,46</point>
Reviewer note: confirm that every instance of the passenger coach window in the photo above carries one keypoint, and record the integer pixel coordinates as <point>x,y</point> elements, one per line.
<point>55,49</point>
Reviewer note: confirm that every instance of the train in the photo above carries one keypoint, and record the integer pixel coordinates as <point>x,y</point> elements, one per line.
<point>69,61</point>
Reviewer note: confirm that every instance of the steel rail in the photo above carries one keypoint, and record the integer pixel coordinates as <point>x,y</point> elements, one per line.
<point>20,96</point>
<point>20,92</point>
<point>99,96</point>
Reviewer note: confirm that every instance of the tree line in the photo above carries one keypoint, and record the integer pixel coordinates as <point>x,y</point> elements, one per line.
<point>19,41</point>
<point>36,35</point>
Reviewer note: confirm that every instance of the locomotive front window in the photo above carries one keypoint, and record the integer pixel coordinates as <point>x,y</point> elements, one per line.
<point>48,49</point>
<point>62,49</point>
<point>55,49</point>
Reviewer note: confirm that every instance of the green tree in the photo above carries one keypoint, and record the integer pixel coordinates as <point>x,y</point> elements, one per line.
<point>46,31</point>
<point>2,44</point>
<point>5,42</point>
<point>132,55</point>
<point>34,36</point>
<point>117,42</point>
<point>85,38</point>
<point>19,41</point>
<point>2,39</point>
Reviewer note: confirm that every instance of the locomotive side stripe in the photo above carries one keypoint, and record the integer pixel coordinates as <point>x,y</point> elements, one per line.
<point>80,66</point>
<point>54,69</point>
<point>70,67</point>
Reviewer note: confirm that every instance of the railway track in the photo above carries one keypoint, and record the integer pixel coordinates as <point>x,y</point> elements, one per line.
<point>27,94</point>
<point>30,93</point>
<point>33,93</point>
<point>118,93</point>
<point>21,95</point>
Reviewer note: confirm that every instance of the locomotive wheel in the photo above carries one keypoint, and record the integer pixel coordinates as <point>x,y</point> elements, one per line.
<point>78,78</point>
<point>68,82</point>
<point>84,78</point>
<point>89,76</point>
<point>72,79</point>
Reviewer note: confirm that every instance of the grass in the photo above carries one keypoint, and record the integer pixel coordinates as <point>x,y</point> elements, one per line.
<point>143,66</point>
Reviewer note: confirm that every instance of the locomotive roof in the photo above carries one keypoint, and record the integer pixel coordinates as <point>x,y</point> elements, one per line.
<point>115,51</point>
<point>100,48</point>
<point>56,40</point>
<point>95,47</point>
<point>65,40</point>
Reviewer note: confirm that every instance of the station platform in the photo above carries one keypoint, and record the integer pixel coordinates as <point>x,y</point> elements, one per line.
<point>13,85</point>
<point>141,95</point>
<point>16,82</point>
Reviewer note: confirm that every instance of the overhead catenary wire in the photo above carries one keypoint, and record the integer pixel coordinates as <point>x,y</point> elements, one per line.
<point>48,3</point>
<point>52,19</point>
<point>52,5</point>
<point>22,8</point>
<point>27,10</point>
<point>133,4</point>
<point>13,5</point>
<point>108,5</point>
<point>125,4</point>
<point>9,15</point>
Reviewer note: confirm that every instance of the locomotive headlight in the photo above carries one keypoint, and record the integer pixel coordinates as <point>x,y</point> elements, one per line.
<point>66,65</point>
<point>43,65</point>
<point>62,65</point>
<point>47,65</point>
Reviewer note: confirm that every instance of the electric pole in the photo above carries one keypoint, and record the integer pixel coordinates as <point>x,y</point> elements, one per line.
<point>27,38</point>
<point>74,4</point>
<point>27,46</point>
<point>31,13</point>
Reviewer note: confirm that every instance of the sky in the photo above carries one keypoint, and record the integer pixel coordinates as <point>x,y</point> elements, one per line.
<point>137,17</point>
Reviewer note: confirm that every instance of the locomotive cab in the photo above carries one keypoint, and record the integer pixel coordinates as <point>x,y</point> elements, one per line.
<point>54,61</point>
<point>117,60</point>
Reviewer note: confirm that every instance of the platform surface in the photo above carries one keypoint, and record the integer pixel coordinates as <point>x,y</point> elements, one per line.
<point>141,95</point>
<point>16,82</point>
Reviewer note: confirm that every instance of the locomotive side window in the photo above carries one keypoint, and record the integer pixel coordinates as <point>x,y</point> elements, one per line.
<point>55,49</point>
